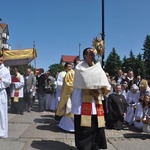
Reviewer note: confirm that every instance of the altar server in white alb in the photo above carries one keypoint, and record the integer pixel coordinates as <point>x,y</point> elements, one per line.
<point>5,80</point>
<point>59,83</point>
<point>64,107</point>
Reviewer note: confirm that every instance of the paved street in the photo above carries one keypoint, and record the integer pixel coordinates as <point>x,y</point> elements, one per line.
<point>39,131</point>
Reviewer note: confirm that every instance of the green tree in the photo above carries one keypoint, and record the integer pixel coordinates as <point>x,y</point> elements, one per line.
<point>136,64</point>
<point>55,68</point>
<point>113,63</point>
<point>146,54</point>
<point>21,68</point>
<point>140,66</point>
<point>129,63</point>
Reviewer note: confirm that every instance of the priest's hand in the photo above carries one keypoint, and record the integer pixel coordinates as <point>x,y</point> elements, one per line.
<point>124,114</point>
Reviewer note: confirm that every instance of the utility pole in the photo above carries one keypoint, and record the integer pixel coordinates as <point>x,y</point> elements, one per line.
<point>0,38</point>
<point>79,51</point>
<point>34,58</point>
<point>103,33</point>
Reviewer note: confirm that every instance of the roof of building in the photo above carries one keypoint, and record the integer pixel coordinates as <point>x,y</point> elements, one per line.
<point>67,58</point>
<point>3,26</point>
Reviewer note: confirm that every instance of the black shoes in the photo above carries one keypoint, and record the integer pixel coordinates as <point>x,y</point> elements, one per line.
<point>21,113</point>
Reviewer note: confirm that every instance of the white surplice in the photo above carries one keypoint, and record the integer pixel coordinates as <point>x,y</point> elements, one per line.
<point>59,84</point>
<point>131,97</point>
<point>4,83</point>
<point>87,78</point>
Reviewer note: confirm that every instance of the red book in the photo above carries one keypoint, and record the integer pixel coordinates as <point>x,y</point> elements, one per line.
<point>14,79</point>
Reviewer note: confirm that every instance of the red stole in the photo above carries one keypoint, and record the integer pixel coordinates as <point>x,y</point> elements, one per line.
<point>86,111</point>
<point>16,93</point>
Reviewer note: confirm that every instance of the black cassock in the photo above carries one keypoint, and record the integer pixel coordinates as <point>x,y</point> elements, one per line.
<point>117,106</point>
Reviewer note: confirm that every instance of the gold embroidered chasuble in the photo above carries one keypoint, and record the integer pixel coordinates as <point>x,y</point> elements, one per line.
<point>64,105</point>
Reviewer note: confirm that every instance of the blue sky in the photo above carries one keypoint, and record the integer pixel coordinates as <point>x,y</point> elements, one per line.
<point>58,26</point>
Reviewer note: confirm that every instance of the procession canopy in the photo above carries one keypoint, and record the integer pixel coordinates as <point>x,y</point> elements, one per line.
<point>19,57</point>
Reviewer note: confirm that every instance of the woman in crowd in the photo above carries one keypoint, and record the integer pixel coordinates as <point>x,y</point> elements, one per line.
<point>144,88</point>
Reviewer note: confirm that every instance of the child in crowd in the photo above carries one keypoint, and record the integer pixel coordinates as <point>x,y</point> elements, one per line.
<point>146,114</point>
<point>132,100</point>
<point>53,105</point>
<point>48,96</point>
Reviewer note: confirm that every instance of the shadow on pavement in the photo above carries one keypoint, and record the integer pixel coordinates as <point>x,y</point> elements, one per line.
<point>51,145</point>
<point>52,127</point>
<point>44,120</point>
<point>47,120</point>
<point>137,135</point>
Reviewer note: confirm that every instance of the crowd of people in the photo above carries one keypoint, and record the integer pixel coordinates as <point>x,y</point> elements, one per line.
<point>85,99</point>
<point>129,109</point>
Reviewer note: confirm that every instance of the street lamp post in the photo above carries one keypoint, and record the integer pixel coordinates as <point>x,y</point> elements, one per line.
<point>103,33</point>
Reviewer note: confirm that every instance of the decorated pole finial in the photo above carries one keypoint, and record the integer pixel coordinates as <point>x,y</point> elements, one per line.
<point>98,46</point>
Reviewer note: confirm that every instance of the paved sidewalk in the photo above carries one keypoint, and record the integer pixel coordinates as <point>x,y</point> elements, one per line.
<point>39,131</point>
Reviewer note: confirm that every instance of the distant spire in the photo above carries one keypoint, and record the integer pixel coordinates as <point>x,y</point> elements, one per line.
<point>33,44</point>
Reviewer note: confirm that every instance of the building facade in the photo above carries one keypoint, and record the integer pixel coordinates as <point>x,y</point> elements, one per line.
<point>4,36</point>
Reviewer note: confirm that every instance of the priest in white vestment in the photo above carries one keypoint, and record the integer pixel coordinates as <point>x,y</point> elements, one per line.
<point>89,86</point>
<point>5,80</point>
